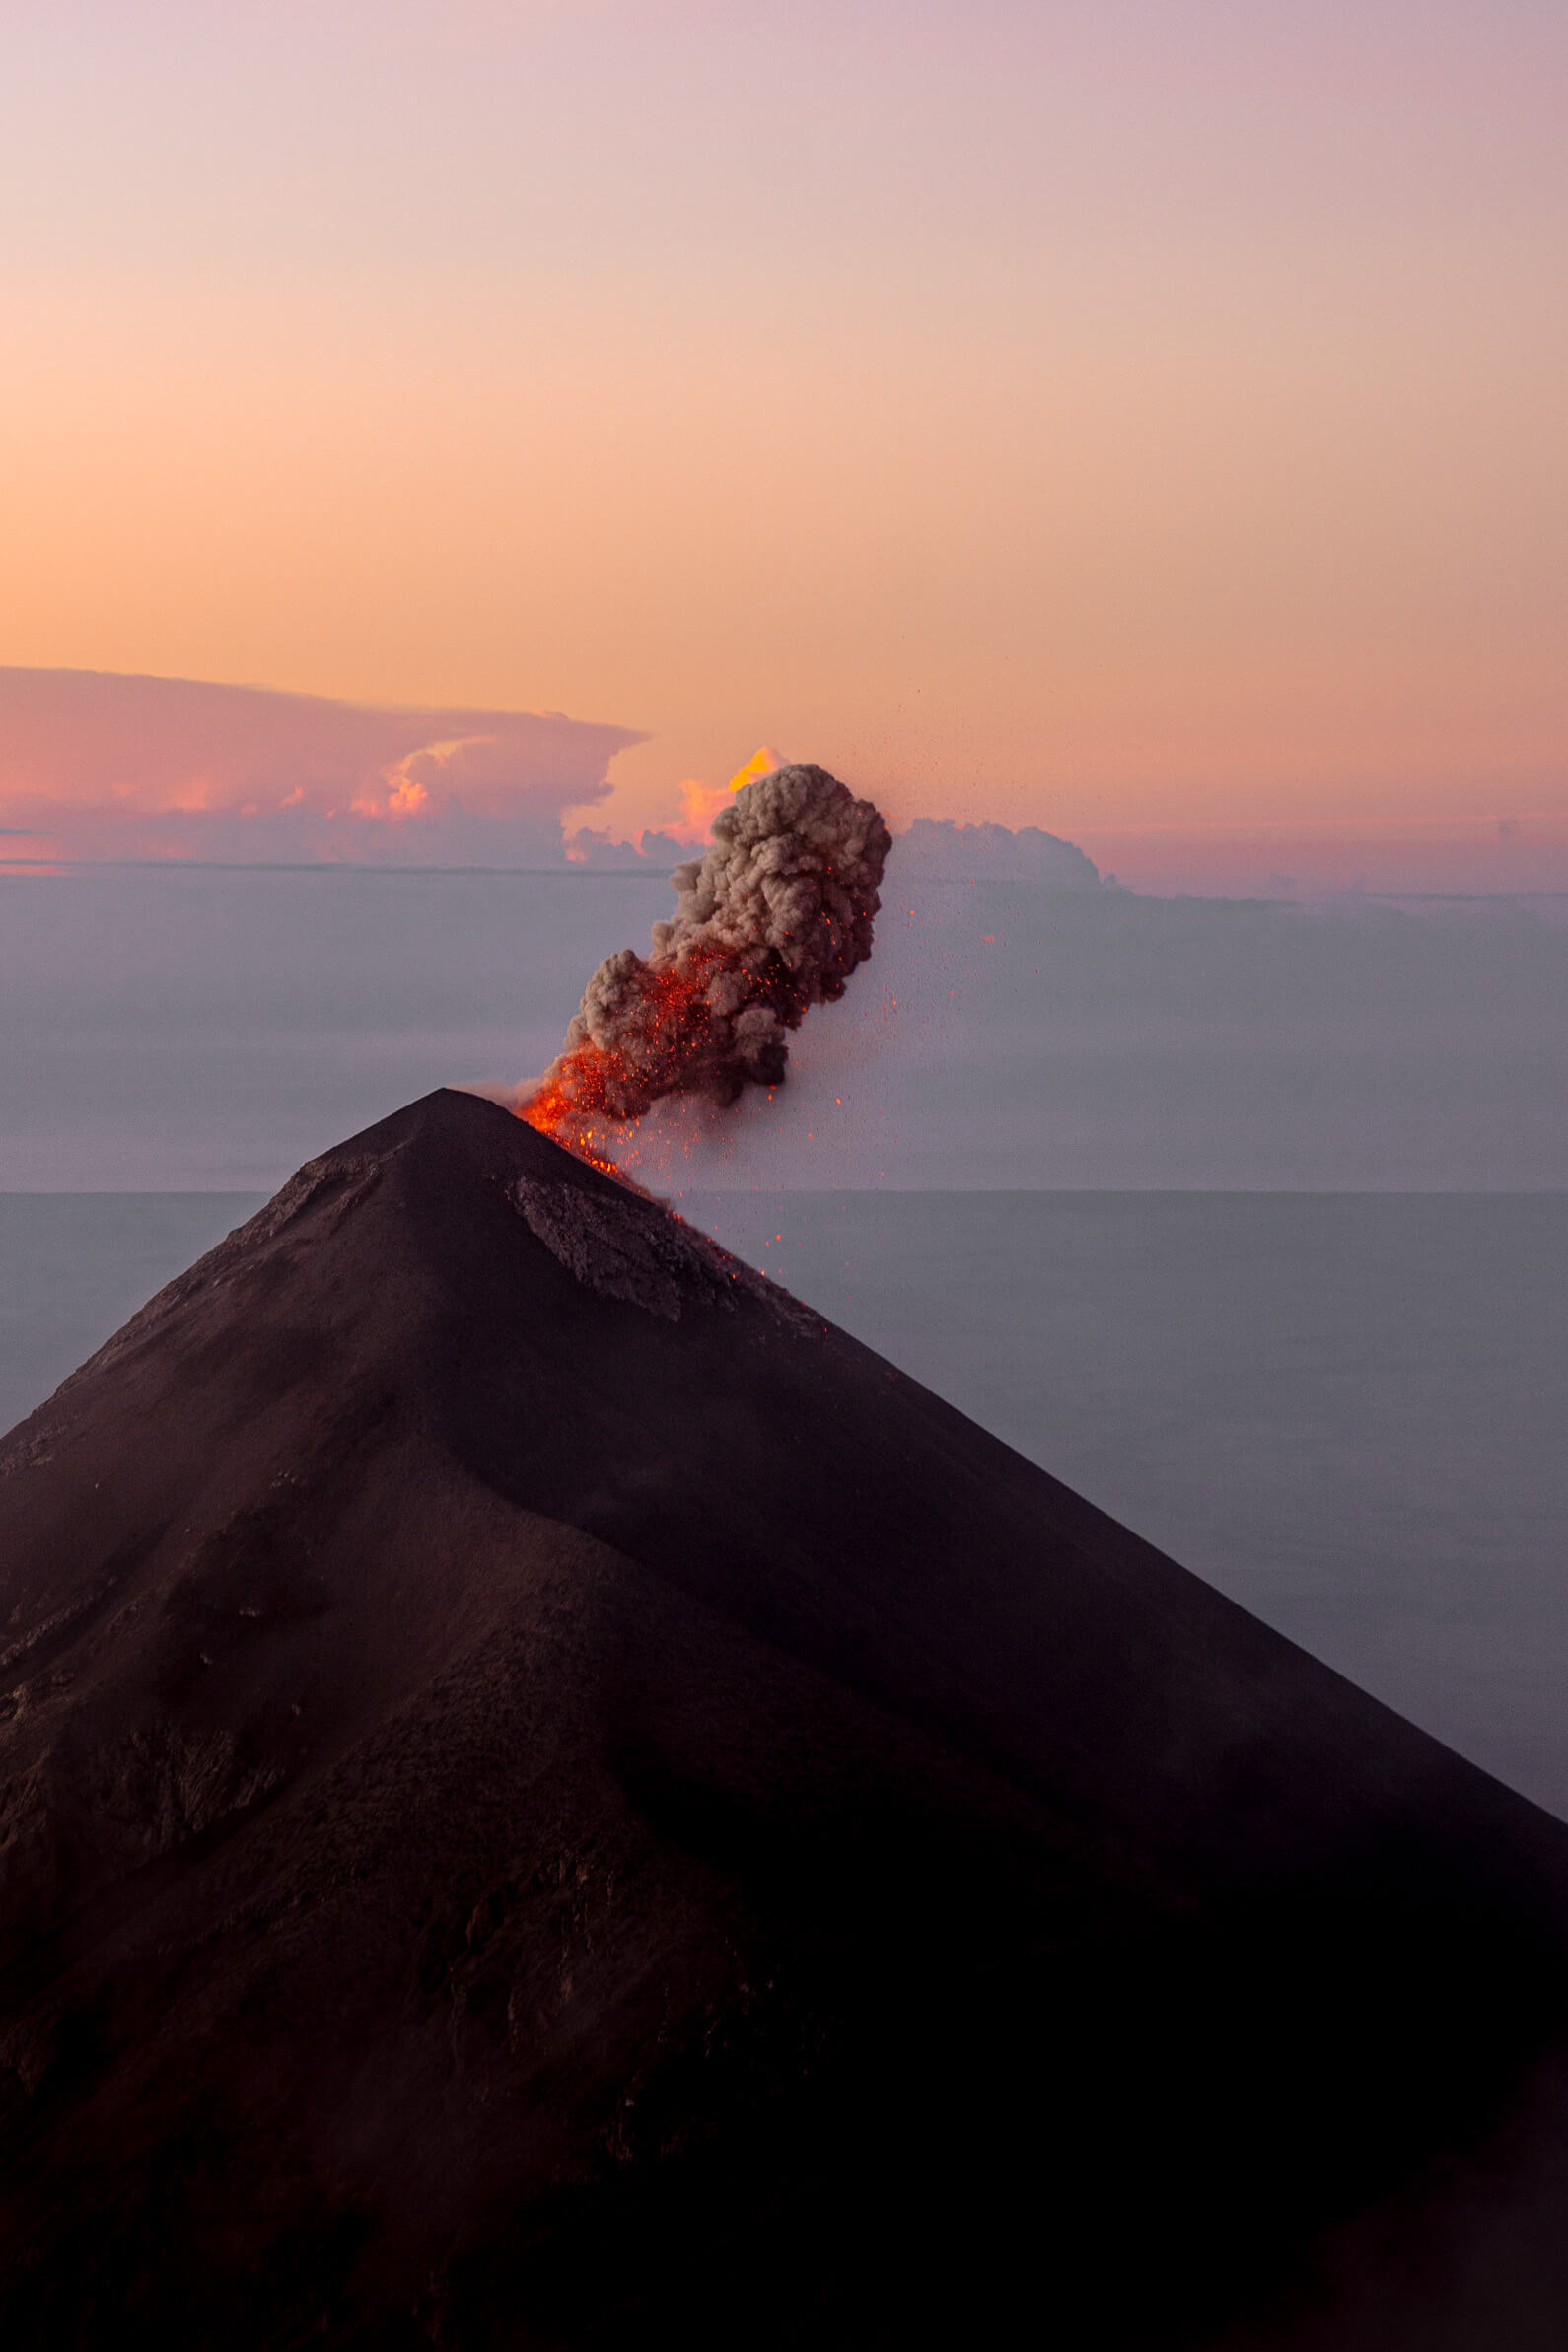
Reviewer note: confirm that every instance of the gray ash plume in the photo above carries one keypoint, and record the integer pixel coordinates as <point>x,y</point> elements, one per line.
<point>770,920</point>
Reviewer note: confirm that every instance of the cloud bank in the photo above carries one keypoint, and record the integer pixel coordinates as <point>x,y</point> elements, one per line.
<point>938,849</point>
<point>94,765</point>
<point>932,850</point>
<point>175,1026</point>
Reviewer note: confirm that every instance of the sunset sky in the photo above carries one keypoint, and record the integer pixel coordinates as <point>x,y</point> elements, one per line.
<point>1133,419</point>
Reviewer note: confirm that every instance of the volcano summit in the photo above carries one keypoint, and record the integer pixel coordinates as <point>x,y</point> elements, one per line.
<point>547,1798</point>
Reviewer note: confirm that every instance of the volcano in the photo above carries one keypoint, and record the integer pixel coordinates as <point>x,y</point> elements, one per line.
<point>551,1798</point>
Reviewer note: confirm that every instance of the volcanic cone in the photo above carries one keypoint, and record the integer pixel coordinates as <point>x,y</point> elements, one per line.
<point>551,1799</point>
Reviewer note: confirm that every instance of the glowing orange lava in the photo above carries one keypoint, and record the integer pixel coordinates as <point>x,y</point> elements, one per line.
<point>583,1102</point>
<point>558,1108</point>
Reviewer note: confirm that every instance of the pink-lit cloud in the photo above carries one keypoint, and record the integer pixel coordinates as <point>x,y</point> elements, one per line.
<point>700,803</point>
<point>94,765</point>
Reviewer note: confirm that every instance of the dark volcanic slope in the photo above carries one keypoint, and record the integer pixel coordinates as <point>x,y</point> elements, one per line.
<point>549,1798</point>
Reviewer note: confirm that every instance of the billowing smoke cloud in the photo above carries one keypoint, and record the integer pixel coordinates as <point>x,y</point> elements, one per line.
<point>770,920</point>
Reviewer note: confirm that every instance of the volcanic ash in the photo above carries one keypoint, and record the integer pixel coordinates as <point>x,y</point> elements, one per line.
<point>770,920</point>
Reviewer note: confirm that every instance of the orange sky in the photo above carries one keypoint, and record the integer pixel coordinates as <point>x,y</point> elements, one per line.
<point>1030,423</point>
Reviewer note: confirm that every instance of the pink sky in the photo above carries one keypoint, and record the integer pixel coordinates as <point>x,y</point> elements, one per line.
<point>1140,420</point>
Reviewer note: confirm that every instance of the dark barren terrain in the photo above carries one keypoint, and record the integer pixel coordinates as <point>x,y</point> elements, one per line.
<point>547,1798</point>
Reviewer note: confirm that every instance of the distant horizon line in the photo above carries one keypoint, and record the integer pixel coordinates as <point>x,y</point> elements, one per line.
<point>582,870</point>
<point>879,1191</point>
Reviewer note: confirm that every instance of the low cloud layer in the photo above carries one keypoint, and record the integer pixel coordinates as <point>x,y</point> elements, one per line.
<point>933,849</point>
<point>98,766</point>
<point>940,850</point>
<point>176,1027</point>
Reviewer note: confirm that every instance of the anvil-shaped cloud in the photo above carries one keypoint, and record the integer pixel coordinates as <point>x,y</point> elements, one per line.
<point>94,765</point>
